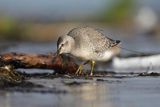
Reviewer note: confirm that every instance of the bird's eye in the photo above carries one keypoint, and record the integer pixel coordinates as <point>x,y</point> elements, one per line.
<point>62,45</point>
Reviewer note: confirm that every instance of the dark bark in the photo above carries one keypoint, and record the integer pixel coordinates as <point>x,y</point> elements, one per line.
<point>59,63</point>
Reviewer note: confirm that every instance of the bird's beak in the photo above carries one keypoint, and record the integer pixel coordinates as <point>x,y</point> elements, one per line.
<point>58,51</point>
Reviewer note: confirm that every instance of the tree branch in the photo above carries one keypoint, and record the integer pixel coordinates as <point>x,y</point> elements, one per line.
<point>59,63</point>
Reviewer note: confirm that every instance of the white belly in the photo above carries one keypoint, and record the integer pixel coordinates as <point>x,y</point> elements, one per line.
<point>106,56</point>
<point>96,57</point>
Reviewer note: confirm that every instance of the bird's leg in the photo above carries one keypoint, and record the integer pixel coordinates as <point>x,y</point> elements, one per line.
<point>92,67</point>
<point>79,70</point>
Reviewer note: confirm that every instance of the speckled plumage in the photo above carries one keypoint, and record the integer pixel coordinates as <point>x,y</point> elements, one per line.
<point>91,38</point>
<point>88,44</point>
<point>92,41</point>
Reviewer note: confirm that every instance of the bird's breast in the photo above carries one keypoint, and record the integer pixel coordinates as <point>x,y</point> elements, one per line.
<point>107,55</point>
<point>82,54</point>
<point>88,55</point>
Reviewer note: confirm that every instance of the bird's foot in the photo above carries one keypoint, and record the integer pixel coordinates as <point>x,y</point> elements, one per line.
<point>79,70</point>
<point>91,74</point>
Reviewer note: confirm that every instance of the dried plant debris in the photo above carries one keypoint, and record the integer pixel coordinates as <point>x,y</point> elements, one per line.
<point>73,82</point>
<point>13,81</point>
<point>108,81</point>
<point>9,75</point>
<point>149,74</point>
<point>29,87</point>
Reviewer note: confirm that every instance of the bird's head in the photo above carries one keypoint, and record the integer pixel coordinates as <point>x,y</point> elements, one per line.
<point>65,44</point>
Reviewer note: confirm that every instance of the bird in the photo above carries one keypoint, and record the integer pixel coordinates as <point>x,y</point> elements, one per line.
<point>88,44</point>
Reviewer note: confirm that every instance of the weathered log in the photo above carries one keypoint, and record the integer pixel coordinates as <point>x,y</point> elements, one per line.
<point>59,63</point>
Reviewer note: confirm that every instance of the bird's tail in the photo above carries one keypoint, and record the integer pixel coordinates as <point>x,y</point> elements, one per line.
<point>115,42</point>
<point>118,41</point>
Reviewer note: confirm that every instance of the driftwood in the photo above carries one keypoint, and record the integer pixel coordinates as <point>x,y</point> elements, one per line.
<point>59,63</point>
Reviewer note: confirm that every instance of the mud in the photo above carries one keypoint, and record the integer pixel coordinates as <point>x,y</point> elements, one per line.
<point>16,81</point>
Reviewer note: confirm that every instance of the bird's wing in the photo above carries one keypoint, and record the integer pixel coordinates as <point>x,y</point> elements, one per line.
<point>102,43</point>
<point>92,39</point>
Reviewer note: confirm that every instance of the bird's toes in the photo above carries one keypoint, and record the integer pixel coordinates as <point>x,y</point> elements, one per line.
<point>79,70</point>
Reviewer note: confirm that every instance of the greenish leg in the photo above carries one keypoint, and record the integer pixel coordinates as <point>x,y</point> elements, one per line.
<point>79,70</point>
<point>92,67</point>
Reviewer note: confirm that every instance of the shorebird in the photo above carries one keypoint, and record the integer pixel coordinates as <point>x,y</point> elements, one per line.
<point>88,44</point>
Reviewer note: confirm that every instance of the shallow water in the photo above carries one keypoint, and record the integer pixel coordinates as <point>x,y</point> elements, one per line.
<point>111,92</point>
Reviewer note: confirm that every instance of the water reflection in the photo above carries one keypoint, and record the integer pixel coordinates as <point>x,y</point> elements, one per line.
<point>95,95</point>
<point>87,95</point>
<point>5,99</point>
<point>129,92</point>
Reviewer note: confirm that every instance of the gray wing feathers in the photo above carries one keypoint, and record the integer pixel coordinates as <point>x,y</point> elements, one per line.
<point>92,38</point>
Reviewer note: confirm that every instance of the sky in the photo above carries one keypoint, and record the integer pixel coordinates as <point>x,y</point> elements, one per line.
<point>59,9</point>
<point>51,8</point>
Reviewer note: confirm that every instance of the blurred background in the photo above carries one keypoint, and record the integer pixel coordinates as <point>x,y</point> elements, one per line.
<point>33,26</point>
<point>134,22</point>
